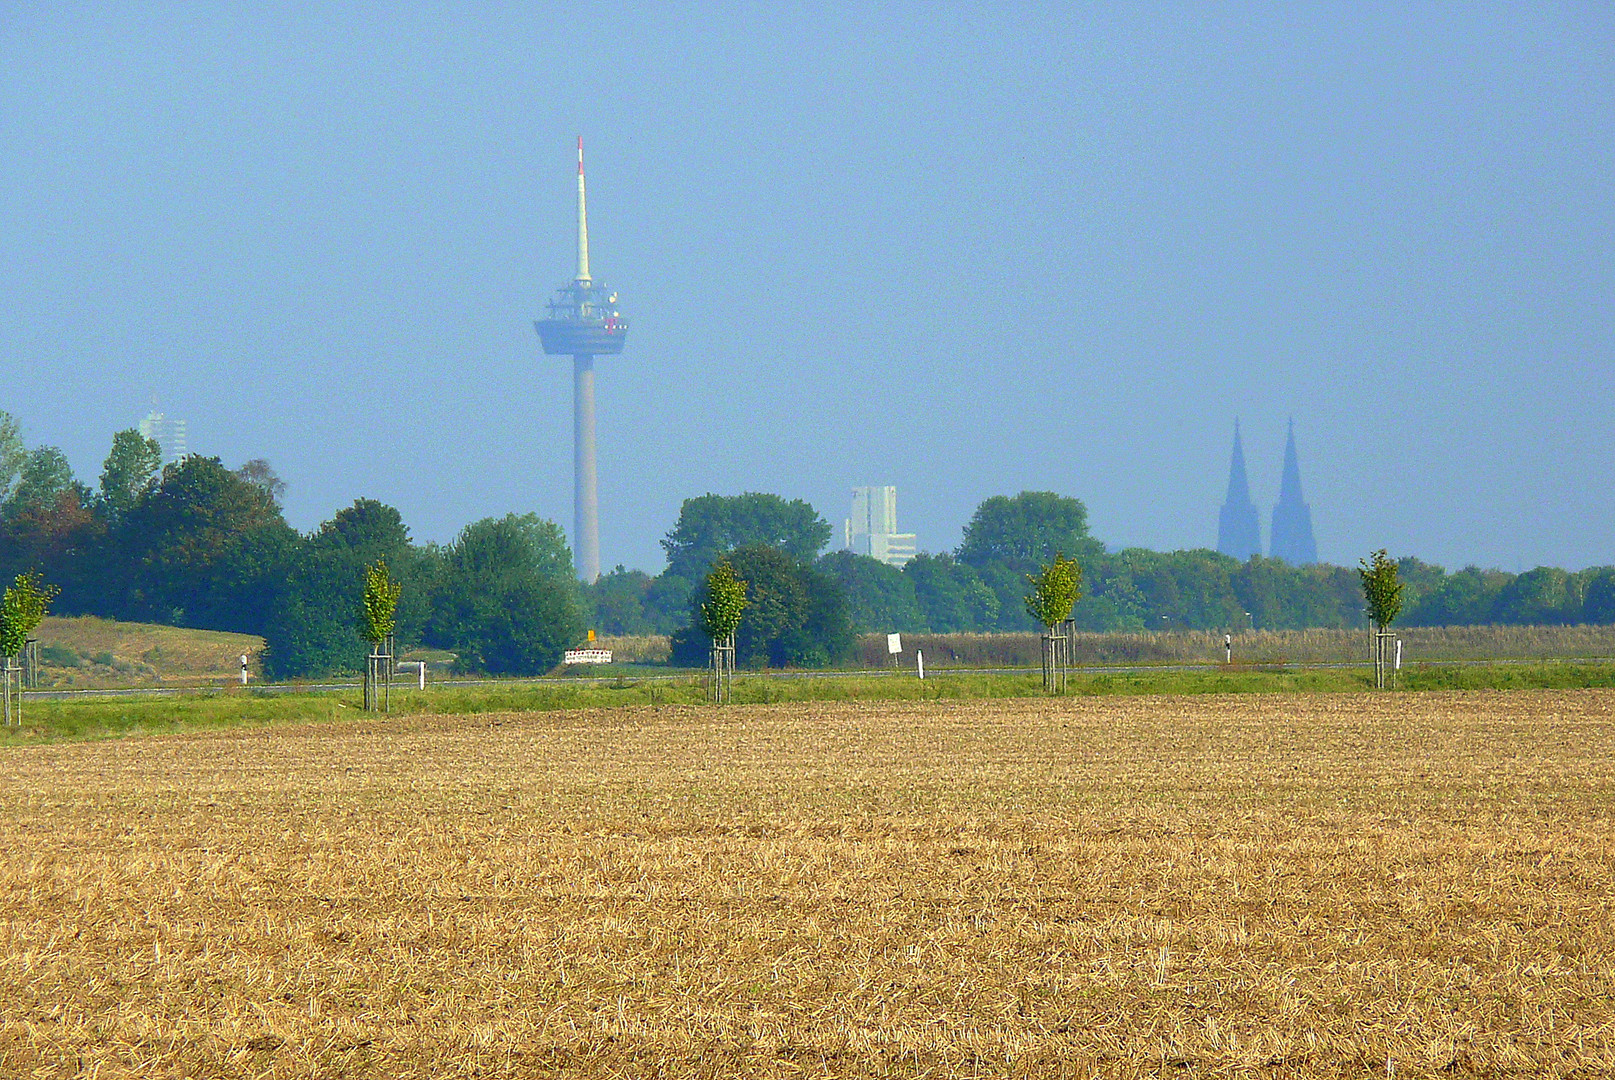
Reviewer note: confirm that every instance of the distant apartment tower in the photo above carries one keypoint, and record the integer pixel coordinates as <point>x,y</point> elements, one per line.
<point>872,528</point>
<point>1292,518</point>
<point>1238,532</point>
<point>169,433</point>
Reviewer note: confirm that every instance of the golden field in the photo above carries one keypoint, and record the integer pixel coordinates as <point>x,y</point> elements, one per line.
<point>1254,885</point>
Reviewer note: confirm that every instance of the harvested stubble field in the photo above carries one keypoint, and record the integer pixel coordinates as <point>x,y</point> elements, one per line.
<point>1295,885</point>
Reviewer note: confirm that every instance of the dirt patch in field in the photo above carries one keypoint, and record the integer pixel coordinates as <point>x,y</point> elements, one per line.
<point>1308,886</point>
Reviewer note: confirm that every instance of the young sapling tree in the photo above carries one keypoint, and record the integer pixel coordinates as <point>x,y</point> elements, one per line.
<point>719,608</point>
<point>1055,591</point>
<point>378,612</point>
<point>1382,593</point>
<point>22,608</point>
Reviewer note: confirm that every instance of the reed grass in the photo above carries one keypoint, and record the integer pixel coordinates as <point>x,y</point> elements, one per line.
<point>1253,646</point>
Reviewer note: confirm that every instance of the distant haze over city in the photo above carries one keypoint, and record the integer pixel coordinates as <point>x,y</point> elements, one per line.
<point>962,252</point>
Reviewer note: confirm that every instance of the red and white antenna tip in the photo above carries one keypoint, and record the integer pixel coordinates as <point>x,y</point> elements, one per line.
<point>580,155</point>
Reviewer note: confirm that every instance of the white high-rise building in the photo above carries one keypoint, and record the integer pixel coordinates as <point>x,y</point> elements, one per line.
<point>169,433</point>
<point>872,528</point>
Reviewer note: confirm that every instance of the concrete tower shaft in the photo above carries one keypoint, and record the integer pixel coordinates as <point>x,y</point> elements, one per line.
<point>583,323</point>
<point>585,471</point>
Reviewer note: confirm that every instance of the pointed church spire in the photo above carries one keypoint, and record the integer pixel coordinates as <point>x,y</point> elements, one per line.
<point>1239,490</point>
<point>1290,481</point>
<point>1292,517</point>
<point>1239,534</point>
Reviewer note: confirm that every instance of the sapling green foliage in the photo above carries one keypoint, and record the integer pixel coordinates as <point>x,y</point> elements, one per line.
<point>1381,589</point>
<point>723,601</point>
<point>379,608</point>
<point>22,609</point>
<point>1055,590</point>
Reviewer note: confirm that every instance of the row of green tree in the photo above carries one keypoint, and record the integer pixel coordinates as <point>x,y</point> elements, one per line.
<point>197,544</point>
<point>979,587</point>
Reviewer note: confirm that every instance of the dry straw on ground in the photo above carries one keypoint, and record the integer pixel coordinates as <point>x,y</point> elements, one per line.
<point>1340,885</point>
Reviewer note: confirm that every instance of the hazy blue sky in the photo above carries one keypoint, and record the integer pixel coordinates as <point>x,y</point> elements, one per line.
<point>964,249</point>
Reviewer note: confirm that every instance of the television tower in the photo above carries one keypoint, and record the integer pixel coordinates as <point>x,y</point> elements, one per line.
<point>583,323</point>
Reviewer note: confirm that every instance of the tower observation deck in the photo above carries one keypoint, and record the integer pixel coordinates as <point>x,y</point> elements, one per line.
<point>583,323</point>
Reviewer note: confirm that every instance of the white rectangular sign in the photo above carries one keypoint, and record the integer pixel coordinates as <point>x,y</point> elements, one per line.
<point>894,643</point>
<point>588,656</point>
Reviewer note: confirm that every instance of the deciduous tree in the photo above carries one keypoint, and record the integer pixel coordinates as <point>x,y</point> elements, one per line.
<point>128,473</point>
<point>1026,530</point>
<point>722,602</point>
<point>378,607</point>
<point>22,608</point>
<point>712,525</point>
<point>1382,592</point>
<point>1055,589</point>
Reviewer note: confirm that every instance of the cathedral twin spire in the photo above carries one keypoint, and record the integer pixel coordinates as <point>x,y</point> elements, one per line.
<point>1239,532</point>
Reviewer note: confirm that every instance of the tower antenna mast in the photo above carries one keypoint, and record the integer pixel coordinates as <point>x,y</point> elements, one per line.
<point>583,224</point>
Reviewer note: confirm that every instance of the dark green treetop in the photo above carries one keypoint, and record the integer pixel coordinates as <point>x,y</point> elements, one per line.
<point>880,598</point>
<point>45,477</point>
<point>1028,529</point>
<point>129,472</point>
<point>713,525</point>
<point>516,544</point>
<point>951,595</point>
<point>202,548</point>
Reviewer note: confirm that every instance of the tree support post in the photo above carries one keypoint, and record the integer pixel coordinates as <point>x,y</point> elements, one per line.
<point>721,671</point>
<point>1384,672</point>
<point>378,696</point>
<point>1056,661</point>
<point>12,674</point>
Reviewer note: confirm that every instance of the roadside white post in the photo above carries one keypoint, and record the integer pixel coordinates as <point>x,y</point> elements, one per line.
<point>243,669</point>
<point>1228,647</point>
<point>919,658</point>
<point>423,674</point>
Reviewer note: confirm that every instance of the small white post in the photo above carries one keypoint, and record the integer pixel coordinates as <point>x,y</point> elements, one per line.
<point>1228,647</point>
<point>919,658</point>
<point>243,669</point>
<point>1398,654</point>
<point>423,674</point>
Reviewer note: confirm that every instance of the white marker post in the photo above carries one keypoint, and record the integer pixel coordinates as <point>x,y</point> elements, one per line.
<point>919,658</point>
<point>1228,647</point>
<point>243,669</point>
